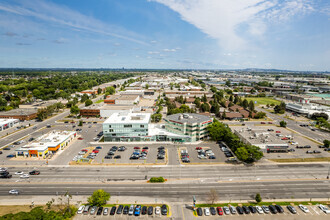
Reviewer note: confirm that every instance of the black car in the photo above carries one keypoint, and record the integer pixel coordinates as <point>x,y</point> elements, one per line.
<point>6,176</point>
<point>279,208</point>
<point>99,211</point>
<point>213,211</point>
<point>34,172</point>
<point>120,209</point>
<point>272,209</point>
<point>239,210</point>
<point>246,209</point>
<point>292,209</point>
<point>108,157</point>
<point>252,209</point>
<point>113,210</point>
<point>125,211</point>
<point>31,139</point>
<point>6,148</point>
<point>117,157</point>
<point>110,153</point>
<point>212,157</point>
<point>199,212</point>
<point>0,152</point>
<point>161,147</point>
<point>145,148</point>
<point>163,209</point>
<point>150,210</point>
<point>144,210</point>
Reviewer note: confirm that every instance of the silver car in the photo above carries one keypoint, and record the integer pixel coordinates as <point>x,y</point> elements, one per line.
<point>226,210</point>
<point>232,210</point>
<point>93,210</point>
<point>131,210</point>
<point>265,208</point>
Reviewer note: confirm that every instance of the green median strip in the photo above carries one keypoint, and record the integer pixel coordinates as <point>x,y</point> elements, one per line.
<point>293,160</point>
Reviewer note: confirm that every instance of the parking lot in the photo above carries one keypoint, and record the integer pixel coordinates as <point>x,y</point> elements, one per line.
<point>314,212</point>
<point>270,134</point>
<point>203,153</point>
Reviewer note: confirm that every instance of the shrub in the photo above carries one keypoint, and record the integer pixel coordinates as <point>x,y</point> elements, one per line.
<point>157,180</point>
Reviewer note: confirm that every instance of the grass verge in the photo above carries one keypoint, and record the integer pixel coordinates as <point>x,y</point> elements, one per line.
<point>263,100</point>
<point>292,160</point>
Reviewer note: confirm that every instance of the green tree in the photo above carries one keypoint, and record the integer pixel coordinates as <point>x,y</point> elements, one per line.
<point>258,198</point>
<point>242,154</point>
<point>245,103</point>
<point>88,102</point>
<point>84,97</point>
<point>99,198</point>
<point>80,123</point>
<point>156,117</point>
<point>326,143</point>
<point>283,124</point>
<point>111,90</point>
<point>204,99</point>
<point>230,98</point>
<point>147,86</point>
<point>74,110</point>
<point>236,100</point>
<point>99,91</point>
<point>251,106</point>
<point>228,83</point>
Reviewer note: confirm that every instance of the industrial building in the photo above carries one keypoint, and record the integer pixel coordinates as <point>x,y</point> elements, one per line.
<point>8,123</point>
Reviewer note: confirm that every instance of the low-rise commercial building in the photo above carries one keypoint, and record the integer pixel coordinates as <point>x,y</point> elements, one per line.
<point>20,114</point>
<point>122,99</point>
<point>47,144</point>
<point>192,125</point>
<point>8,123</point>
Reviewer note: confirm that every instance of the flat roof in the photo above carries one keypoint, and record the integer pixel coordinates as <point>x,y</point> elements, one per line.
<point>51,139</point>
<point>19,111</point>
<point>4,121</point>
<point>128,118</point>
<point>116,107</point>
<point>189,118</point>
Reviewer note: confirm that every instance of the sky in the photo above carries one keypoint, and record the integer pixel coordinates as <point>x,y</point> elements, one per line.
<point>166,34</point>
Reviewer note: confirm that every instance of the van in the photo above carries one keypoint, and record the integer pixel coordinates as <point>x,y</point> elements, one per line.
<point>86,209</point>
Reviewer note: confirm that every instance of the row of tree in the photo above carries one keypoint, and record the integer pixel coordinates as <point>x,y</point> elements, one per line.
<point>244,152</point>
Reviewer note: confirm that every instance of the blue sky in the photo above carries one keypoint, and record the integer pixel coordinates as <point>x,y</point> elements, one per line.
<point>203,34</point>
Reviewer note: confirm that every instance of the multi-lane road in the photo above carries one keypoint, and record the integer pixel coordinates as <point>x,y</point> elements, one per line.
<point>231,182</point>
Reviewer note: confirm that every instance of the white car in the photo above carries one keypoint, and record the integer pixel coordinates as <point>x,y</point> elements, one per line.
<point>19,173</point>
<point>81,209</point>
<point>259,209</point>
<point>82,153</point>
<point>157,210</point>
<point>207,211</point>
<point>303,208</point>
<point>324,209</point>
<point>14,192</point>
<point>24,176</point>
<point>201,156</point>
<point>294,143</point>
<point>210,154</point>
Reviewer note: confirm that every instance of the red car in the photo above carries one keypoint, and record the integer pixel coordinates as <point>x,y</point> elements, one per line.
<point>285,138</point>
<point>84,150</point>
<point>80,138</point>
<point>136,147</point>
<point>278,132</point>
<point>220,212</point>
<point>144,150</point>
<point>263,122</point>
<point>270,122</point>
<point>198,148</point>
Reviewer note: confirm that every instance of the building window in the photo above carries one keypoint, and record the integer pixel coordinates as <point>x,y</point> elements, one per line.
<point>127,126</point>
<point>110,130</point>
<point>141,126</point>
<point>109,126</point>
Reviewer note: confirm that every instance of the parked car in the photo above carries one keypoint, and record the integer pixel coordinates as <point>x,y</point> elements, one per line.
<point>164,209</point>
<point>93,210</point>
<point>131,210</point>
<point>150,210</point>
<point>220,212</point>
<point>252,209</point>
<point>113,210</point>
<point>24,176</point>
<point>226,210</point>
<point>80,209</point>
<point>99,211</point>
<point>303,208</point>
<point>279,208</point>
<point>207,211</point>
<point>144,210</point>
<point>157,210</point>
<point>105,211</point>
<point>213,211</point>
<point>19,173</point>
<point>117,157</point>
<point>239,210</point>
<point>199,211</point>
<point>265,208</point>
<point>125,211</point>
<point>86,209</point>
<point>120,209</point>
<point>259,210</point>
<point>137,210</point>
<point>292,209</point>
<point>272,209</point>
<point>246,210</point>
<point>324,209</point>
<point>232,210</point>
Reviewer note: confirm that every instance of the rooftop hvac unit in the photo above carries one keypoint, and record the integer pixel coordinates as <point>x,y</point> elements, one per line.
<point>185,115</point>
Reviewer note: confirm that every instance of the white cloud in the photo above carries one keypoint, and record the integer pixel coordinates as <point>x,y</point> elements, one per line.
<point>153,52</point>
<point>65,17</point>
<point>169,50</point>
<point>224,20</point>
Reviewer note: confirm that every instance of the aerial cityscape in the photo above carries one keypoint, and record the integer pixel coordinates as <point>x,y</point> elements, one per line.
<point>166,109</point>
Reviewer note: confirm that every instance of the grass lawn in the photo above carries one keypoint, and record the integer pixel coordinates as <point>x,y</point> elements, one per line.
<point>292,160</point>
<point>99,101</point>
<point>263,100</point>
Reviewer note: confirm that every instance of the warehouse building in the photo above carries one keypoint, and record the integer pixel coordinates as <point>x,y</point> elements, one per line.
<point>8,123</point>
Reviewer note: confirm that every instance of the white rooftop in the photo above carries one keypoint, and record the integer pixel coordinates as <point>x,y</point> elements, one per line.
<point>4,121</point>
<point>128,118</point>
